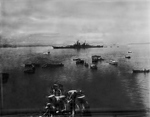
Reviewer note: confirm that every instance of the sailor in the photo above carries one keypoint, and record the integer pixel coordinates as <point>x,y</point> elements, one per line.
<point>73,94</point>
<point>81,97</point>
<point>57,89</point>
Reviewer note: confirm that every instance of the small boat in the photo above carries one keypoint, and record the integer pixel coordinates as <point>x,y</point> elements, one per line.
<point>100,59</point>
<point>29,68</point>
<point>129,52</point>
<point>96,58</point>
<point>128,57</point>
<point>36,64</point>
<point>80,61</point>
<point>76,59</point>
<point>93,66</point>
<point>28,65</point>
<point>86,64</point>
<point>53,65</point>
<point>32,65</point>
<point>112,62</point>
<point>47,53</point>
<point>29,71</point>
<point>141,71</point>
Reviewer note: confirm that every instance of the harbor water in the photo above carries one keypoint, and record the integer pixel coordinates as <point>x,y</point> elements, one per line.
<point>108,87</point>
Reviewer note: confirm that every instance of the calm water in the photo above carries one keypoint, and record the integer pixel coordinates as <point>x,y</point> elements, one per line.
<point>109,87</point>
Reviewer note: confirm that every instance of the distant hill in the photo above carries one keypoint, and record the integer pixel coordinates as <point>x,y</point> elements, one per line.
<point>41,39</point>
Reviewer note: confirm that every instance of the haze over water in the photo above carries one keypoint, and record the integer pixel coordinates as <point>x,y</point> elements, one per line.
<point>109,87</point>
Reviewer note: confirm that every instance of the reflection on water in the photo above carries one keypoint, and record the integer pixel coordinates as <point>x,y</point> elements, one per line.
<point>108,87</point>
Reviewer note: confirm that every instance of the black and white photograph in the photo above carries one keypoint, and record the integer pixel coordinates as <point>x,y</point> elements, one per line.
<point>74,58</point>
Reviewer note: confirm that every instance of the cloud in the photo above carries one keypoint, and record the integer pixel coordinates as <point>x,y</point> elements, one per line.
<point>89,18</point>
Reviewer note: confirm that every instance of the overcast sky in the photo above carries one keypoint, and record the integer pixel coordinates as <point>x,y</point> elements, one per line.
<point>104,20</point>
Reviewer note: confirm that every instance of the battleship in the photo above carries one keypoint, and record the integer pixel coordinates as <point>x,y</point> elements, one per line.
<point>78,45</point>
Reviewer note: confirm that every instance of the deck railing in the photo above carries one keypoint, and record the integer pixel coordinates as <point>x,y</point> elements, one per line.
<point>94,112</point>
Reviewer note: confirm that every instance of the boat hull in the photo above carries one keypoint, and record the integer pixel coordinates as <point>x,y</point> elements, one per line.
<point>141,71</point>
<point>53,65</point>
<point>55,47</point>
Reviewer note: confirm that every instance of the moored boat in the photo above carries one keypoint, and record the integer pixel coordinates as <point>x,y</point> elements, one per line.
<point>100,59</point>
<point>96,58</point>
<point>128,57</point>
<point>47,53</point>
<point>52,65</point>
<point>76,59</point>
<point>80,61</point>
<point>86,64</point>
<point>30,70</point>
<point>141,71</point>
<point>36,64</point>
<point>28,65</point>
<point>32,64</point>
<point>112,62</point>
<point>93,66</point>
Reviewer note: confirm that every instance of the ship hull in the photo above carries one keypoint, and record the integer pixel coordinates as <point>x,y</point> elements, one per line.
<point>55,47</point>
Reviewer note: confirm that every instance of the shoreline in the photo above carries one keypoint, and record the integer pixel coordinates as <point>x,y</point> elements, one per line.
<point>15,46</point>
